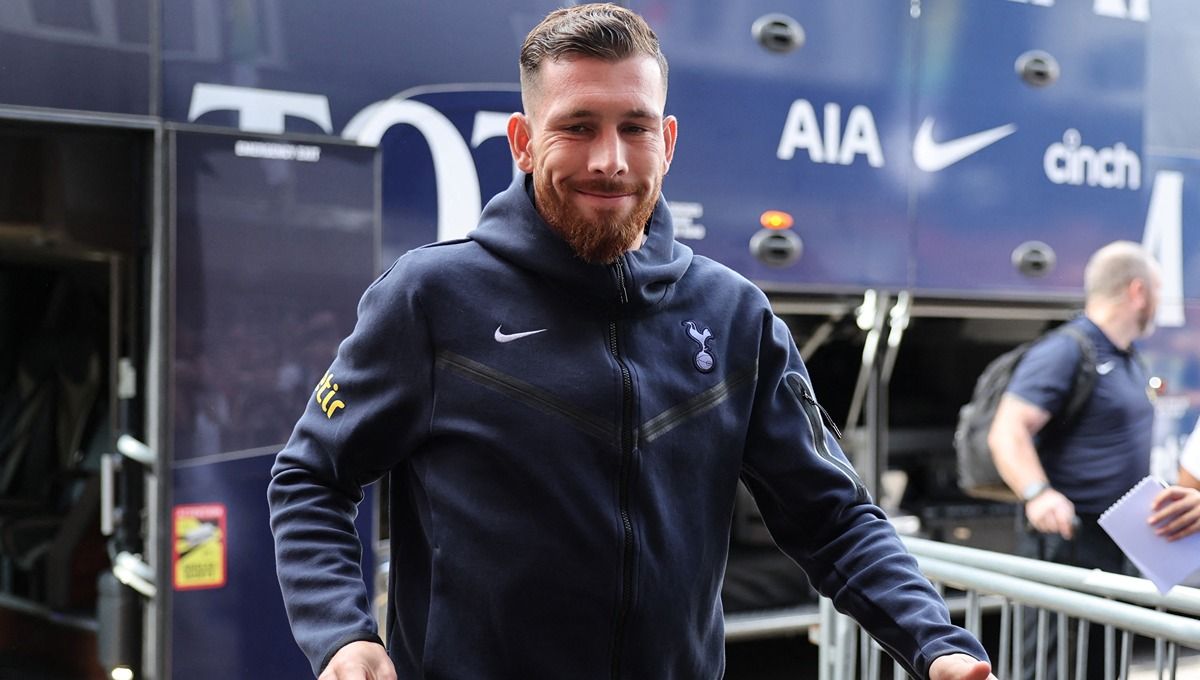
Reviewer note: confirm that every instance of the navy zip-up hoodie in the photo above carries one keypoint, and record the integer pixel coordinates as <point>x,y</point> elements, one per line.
<point>564,441</point>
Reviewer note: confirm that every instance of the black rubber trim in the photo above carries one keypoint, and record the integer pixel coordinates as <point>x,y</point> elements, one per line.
<point>815,414</point>
<point>706,400</point>
<point>526,394</point>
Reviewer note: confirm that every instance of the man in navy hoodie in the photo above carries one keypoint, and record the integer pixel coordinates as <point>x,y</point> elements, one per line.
<point>564,402</point>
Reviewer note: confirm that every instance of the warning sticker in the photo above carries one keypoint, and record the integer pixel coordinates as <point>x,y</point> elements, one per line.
<point>199,555</point>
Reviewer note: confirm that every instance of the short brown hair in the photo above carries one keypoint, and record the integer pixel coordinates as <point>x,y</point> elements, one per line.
<point>600,31</point>
<point>1112,268</point>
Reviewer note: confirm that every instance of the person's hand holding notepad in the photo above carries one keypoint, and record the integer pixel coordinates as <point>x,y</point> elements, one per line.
<point>1165,562</point>
<point>1176,512</point>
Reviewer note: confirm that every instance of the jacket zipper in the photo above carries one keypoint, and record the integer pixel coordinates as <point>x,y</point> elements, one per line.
<point>818,419</point>
<point>627,447</point>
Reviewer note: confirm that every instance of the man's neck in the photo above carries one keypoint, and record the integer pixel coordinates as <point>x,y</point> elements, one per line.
<point>1114,323</point>
<point>638,242</point>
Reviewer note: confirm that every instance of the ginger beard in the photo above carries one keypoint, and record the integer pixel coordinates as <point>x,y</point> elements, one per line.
<point>603,239</point>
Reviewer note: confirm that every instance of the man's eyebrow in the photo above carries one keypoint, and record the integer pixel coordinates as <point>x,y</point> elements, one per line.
<point>636,114</point>
<point>643,113</point>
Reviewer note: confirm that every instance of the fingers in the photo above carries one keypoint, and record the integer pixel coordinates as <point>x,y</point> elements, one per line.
<point>357,672</point>
<point>960,667</point>
<point>1052,513</point>
<point>1177,513</point>
<point>1184,524</point>
<point>1170,495</point>
<point>360,661</point>
<point>1065,519</point>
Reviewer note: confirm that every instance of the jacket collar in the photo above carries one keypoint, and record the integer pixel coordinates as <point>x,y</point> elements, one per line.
<point>512,229</point>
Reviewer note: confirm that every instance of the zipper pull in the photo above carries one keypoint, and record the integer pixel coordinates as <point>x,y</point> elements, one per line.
<point>837,433</point>
<point>622,294</point>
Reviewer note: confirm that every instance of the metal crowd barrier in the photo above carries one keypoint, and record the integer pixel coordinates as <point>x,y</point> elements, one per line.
<point>1016,587</point>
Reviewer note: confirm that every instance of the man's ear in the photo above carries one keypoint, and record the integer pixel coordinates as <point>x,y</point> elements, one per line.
<point>1139,290</point>
<point>670,130</point>
<point>518,142</point>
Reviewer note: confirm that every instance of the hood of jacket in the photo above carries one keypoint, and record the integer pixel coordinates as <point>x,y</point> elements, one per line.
<point>512,229</point>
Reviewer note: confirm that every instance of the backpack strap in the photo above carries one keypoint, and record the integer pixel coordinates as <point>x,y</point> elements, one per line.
<point>1084,380</point>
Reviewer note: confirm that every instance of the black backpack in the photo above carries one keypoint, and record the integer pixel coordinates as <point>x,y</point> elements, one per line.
<point>977,474</point>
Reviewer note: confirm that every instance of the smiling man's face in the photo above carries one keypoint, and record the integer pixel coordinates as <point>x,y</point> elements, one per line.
<point>597,145</point>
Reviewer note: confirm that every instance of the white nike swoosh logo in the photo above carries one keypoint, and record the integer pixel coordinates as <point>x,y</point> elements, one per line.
<point>932,156</point>
<point>1104,368</point>
<point>509,337</point>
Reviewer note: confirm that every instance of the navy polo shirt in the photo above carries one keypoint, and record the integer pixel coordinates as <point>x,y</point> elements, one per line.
<point>1107,450</point>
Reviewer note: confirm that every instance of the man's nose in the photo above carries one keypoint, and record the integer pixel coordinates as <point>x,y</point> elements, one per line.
<point>607,154</point>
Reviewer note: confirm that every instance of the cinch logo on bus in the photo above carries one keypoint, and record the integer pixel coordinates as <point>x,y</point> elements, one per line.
<point>324,396</point>
<point>1072,162</point>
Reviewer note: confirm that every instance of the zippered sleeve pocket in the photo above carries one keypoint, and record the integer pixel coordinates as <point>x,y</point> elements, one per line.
<point>818,420</point>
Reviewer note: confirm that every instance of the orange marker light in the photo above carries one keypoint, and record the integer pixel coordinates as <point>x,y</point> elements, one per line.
<point>776,219</point>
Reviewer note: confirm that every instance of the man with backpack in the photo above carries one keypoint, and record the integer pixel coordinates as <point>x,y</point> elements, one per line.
<point>1067,473</point>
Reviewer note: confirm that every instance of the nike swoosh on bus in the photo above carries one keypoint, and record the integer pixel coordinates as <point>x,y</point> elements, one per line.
<point>931,156</point>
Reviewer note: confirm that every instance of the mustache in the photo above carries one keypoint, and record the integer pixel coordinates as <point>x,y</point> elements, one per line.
<point>605,186</point>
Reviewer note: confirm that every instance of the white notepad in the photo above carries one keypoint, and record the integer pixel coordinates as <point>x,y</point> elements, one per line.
<point>1165,563</point>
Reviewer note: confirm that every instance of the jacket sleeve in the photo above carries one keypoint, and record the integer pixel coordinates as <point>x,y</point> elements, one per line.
<point>369,411</point>
<point>820,514</point>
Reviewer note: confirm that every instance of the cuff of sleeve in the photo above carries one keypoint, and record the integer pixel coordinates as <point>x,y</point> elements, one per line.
<point>362,636</point>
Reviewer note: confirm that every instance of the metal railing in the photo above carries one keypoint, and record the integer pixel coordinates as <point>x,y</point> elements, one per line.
<point>1015,587</point>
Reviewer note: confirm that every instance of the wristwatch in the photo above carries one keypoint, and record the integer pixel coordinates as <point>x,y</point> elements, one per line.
<point>1034,489</point>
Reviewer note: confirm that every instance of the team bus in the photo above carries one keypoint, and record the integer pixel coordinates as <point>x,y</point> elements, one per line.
<point>194,193</point>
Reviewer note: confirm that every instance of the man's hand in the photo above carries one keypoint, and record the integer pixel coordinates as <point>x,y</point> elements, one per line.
<point>360,660</point>
<point>1052,513</point>
<point>1177,508</point>
<point>960,667</point>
